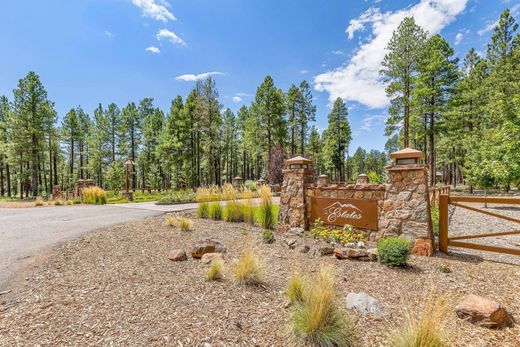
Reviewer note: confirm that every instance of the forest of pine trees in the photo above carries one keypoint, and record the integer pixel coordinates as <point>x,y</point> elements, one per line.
<point>465,115</point>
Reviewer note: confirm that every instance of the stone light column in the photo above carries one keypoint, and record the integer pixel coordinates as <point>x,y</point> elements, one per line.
<point>298,171</point>
<point>406,209</point>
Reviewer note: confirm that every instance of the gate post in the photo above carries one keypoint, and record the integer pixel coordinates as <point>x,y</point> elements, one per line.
<point>443,223</point>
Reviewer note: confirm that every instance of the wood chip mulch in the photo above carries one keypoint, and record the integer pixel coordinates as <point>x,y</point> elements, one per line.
<point>116,287</point>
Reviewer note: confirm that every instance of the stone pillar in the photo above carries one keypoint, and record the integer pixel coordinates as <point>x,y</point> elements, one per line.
<point>362,179</point>
<point>323,180</point>
<point>406,209</point>
<point>297,173</point>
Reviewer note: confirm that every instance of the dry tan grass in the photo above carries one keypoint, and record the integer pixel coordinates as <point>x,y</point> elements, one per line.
<point>424,328</point>
<point>216,270</point>
<point>94,196</point>
<point>228,192</point>
<point>294,289</point>
<point>39,201</point>
<point>249,269</point>
<point>185,224</point>
<point>170,221</point>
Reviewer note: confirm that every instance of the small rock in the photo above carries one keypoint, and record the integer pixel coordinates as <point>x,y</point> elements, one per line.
<point>361,244</point>
<point>326,250</point>
<point>484,312</point>
<point>423,247</point>
<point>372,254</point>
<point>207,246</point>
<point>340,253</point>
<point>291,243</point>
<point>364,304</point>
<point>350,245</point>
<point>350,253</point>
<point>209,257</point>
<point>177,255</point>
<point>304,249</point>
<point>297,231</point>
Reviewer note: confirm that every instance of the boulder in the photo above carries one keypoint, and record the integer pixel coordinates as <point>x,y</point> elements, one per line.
<point>209,257</point>
<point>372,254</point>
<point>423,247</point>
<point>350,253</point>
<point>364,304</point>
<point>304,249</point>
<point>177,255</point>
<point>484,312</point>
<point>325,250</point>
<point>207,246</point>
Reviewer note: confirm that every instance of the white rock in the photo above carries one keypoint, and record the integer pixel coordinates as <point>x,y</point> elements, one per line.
<point>364,304</point>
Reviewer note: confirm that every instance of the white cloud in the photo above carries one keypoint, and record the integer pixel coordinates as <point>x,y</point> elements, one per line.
<point>243,94</point>
<point>460,35</point>
<point>236,99</point>
<point>338,52</point>
<point>170,36</point>
<point>153,49</point>
<point>154,10</point>
<point>304,72</point>
<point>194,78</point>
<point>370,121</point>
<point>488,28</point>
<point>359,79</point>
<point>108,33</point>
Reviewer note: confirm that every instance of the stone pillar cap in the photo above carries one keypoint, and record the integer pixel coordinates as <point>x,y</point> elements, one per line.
<point>407,153</point>
<point>298,161</point>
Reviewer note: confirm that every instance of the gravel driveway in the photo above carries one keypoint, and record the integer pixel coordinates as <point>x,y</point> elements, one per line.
<point>24,232</point>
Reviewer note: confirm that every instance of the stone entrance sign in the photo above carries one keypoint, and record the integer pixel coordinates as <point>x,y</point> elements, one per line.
<point>360,213</point>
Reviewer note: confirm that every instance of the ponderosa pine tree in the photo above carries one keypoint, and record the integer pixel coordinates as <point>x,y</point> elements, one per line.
<point>306,114</point>
<point>336,139</point>
<point>399,68</point>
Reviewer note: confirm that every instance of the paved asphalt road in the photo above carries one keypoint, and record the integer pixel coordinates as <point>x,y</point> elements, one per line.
<point>24,232</point>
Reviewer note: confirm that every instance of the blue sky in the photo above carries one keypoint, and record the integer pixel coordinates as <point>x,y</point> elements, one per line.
<point>91,51</point>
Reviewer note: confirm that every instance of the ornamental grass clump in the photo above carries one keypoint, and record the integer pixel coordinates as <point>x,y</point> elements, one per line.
<point>94,196</point>
<point>249,270</point>
<point>266,207</point>
<point>319,320</point>
<point>215,210</point>
<point>39,201</point>
<point>185,224</point>
<point>58,202</point>
<point>294,290</point>
<point>393,251</point>
<point>234,211</point>
<point>202,196</point>
<point>228,192</point>
<point>424,328</point>
<point>268,236</point>
<point>170,221</point>
<point>216,270</point>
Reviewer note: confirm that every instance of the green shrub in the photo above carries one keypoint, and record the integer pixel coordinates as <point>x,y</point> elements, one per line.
<point>266,207</point>
<point>319,319</point>
<point>76,201</point>
<point>374,178</point>
<point>234,212</point>
<point>58,202</point>
<point>393,250</point>
<point>203,210</point>
<point>178,196</point>
<point>268,236</point>
<point>94,196</point>
<point>215,210</point>
<point>435,219</point>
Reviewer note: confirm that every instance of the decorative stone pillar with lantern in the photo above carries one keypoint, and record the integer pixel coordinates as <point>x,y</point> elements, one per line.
<point>129,168</point>
<point>406,209</point>
<point>298,171</point>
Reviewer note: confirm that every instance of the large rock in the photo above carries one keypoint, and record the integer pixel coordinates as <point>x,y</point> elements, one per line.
<point>483,312</point>
<point>209,257</point>
<point>364,304</point>
<point>207,246</point>
<point>177,255</point>
<point>350,253</point>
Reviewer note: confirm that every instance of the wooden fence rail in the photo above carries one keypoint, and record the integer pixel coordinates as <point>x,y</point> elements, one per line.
<point>445,240</point>
<point>436,192</point>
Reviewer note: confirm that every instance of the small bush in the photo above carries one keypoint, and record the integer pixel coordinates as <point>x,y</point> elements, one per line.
<point>215,271</point>
<point>342,236</point>
<point>39,201</point>
<point>58,202</point>
<point>444,269</point>
<point>249,270</point>
<point>393,250</point>
<point>215,210</point>
<point>268,236</point>
<point>185,224</point>
<point>203,210</point>
<point>94,196</point>
<point>266,207</point>
<point>294,290</point>
<point>76,201</point>
<point>319,320</point>
<point>178,196</point>
<point>68,202</point>
<point>170,221</point>
<point>374,178</point>
<point>424,329</point>
<point>435,219</point>
<point>234,212</point>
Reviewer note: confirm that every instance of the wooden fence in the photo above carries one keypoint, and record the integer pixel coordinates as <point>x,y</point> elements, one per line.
<point>436,192</point>
<point>445,240</point>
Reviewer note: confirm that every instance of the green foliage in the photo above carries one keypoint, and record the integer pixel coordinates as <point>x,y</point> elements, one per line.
<point>294,290</point>
<point>268,236</point>
<point>215,210</point>
<point>234,211</point>
<point>94,196</point>
<point>216,269</point>
<point>393,250</point>
<point>435,219</point>
<point>178,197</point>
<point>267,220</point>
<point>341,236</point>
<point>115,177</point>
<point>336,139</point>
<point>203,210</point>
<point>374,178</point>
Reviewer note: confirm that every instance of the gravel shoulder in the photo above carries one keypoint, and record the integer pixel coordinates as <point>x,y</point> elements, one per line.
<point>117,287</point>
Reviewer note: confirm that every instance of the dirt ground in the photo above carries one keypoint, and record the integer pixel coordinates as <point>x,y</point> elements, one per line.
<point>117,287</point>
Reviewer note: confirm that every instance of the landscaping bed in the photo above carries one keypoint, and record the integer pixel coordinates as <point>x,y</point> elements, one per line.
<point>118,287</point>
